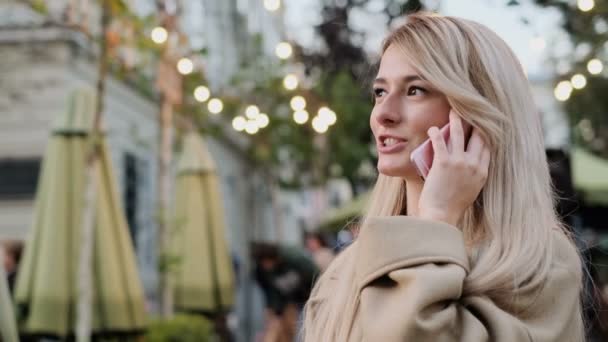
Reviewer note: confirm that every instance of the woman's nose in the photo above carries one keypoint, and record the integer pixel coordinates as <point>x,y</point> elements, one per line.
<point>388,113</point>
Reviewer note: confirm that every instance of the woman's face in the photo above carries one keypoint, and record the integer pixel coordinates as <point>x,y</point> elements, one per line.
<point>406,107</point>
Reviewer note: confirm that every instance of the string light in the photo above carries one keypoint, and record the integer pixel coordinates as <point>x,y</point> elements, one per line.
<point>563,90</point>
<point>327,115</point>
<point>252,112</point>
<point>300,117</point>
<point>251,127</point>
<point>283,50</point>
<point>298,103</point>
<point>595,66</point>
<point>290,82</point>
<point>262,120</point>
<point>239,123</point>
<point>585,5</point>
<point>185,66</point>
<point>215,106</point>
<point>272,5</point>
<point>202,93</point>
<point>578,81</point>
<point>319,125</point>
<point>159,35</point>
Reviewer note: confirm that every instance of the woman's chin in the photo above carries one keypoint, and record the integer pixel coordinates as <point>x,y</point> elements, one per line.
<point>402,170</point>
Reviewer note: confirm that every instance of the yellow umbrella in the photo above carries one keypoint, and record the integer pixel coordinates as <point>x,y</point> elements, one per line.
<point>205,279</point>
<point>46,289</point>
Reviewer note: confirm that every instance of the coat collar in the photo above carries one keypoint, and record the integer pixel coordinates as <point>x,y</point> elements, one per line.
<point>391,242</point>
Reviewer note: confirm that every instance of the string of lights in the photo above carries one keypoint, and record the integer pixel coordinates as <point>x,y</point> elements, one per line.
<point>254,119</point>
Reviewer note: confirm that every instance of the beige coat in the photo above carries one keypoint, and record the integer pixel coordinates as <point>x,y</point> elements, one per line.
<point>410,275</point>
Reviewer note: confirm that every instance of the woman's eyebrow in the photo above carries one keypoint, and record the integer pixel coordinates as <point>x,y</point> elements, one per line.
<point>405,79</point>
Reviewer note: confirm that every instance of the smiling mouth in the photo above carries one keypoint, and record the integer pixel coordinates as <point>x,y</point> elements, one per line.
<point>390,141</point>
<point>390,145</point>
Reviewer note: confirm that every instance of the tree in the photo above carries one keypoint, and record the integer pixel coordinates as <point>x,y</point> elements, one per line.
<point>587,108</point>
<point>344,83</point>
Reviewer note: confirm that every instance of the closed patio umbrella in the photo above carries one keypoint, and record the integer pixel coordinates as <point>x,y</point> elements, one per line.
<point>205,277</point>
<point>46,289</point>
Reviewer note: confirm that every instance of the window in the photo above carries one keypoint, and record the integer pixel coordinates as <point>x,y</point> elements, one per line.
<point>130,194</point>
<point>19,178</point>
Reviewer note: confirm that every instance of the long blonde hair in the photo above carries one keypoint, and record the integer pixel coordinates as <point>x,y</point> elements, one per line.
<point>509,229</point>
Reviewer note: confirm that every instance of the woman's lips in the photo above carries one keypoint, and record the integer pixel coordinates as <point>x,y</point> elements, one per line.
<point>397,147</point>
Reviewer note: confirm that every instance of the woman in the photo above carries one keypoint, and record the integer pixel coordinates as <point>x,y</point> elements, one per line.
<point>474,252</point>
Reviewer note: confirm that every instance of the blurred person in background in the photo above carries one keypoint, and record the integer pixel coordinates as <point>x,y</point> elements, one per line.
<point>321,253</point>
<point>286,276</point>
<point>12,257</point>
<point>475,251</point>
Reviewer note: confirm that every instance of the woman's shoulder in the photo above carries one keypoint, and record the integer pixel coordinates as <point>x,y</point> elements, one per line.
<point>566,255</point>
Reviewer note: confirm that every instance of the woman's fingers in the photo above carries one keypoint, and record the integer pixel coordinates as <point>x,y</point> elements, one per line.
<point>439,147</point>
<point>475,145</point>
<point>456,133</point>
<point>484,163</point>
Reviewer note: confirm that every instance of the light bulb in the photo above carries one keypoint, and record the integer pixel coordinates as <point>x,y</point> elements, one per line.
<point>298,103</point>
<point>185,66</point>
<point>159,35</point>
<point>215,106</point>
<point>201,93</point>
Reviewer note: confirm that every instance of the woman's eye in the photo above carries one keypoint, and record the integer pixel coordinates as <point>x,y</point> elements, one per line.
<point>413,91</point>
<point>379,92</point>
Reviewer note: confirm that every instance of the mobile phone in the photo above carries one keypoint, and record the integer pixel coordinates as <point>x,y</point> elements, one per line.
<point>422,156</point>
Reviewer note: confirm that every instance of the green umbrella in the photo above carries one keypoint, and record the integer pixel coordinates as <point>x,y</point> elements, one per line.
<point>46,289</point>
<point>205,279</point>
<point>590,175</point>
<point>338,218</point>
<point>8,329</point>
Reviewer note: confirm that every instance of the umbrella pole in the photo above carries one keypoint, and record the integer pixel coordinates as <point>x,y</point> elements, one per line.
<point>164,183</point>
<point>85,268</point>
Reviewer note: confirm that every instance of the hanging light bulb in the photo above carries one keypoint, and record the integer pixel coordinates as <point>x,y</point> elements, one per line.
<point>578,81</point>
<point>319,125</point>
<point>283,50</point>
<point>262,120</point>
<point>300,117</point>
<point>185,66</point>
<point>563,90</point>
<point>272,5</point>
<point>215,106</point>
<point>297,103</point>
<point>290,82</point>
<point>585,5</point>
<point>595,66</point>
<point>252,112</point>
<point>327,115</point>
<point>202,93</point>
<point>159,35</point>
<point>239,123</point>
<point>251,127</point>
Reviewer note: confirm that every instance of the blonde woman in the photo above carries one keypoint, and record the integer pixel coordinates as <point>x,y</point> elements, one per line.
<point>475,252</point>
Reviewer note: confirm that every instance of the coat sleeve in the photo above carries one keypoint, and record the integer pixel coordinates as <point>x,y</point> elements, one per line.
<point>411,274</point>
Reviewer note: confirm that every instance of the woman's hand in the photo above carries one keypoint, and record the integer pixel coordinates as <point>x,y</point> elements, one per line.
<point>456,177</point>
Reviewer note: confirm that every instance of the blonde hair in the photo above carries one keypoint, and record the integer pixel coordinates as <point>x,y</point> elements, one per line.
<point>508,231</point>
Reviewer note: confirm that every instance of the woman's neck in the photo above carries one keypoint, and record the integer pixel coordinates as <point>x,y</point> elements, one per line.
<point>413,189</point>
